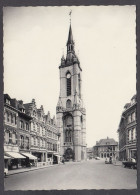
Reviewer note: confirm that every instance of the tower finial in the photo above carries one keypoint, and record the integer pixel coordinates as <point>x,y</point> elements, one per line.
<point>70,15</point>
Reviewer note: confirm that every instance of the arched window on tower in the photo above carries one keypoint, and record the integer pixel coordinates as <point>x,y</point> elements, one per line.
<point>68,80</point>
<point>68,104</point>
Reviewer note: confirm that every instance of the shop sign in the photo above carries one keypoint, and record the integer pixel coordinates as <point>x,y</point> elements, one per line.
<point>11,149</point>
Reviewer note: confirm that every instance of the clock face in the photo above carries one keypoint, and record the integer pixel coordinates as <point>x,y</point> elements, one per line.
<point>68,75</point>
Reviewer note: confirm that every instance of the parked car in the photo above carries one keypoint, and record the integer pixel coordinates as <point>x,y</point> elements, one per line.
<point>108,161</point>
<point>131,163</point>
<point>5,171</point>
<point>97,158</point>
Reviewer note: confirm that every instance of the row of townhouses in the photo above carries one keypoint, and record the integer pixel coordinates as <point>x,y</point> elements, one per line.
<point>127,131</point>
<point>30,136</point>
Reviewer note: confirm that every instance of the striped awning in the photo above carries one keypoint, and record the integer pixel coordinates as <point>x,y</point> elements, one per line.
<point>6,157</point>
<point>30,156</point>
<point>15,155</point>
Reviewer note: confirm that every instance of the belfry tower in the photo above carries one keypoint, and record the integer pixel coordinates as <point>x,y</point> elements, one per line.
<point>70,111</point>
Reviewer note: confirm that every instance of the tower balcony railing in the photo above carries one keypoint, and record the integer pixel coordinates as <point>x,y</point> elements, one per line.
<point>68,143</point>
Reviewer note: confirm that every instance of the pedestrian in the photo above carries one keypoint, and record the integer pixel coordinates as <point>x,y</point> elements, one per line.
<point>63,161</point>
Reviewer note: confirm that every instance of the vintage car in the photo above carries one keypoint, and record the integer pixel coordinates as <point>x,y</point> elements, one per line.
<point>97,158</point>
<point>108,161</point>
<point>131,163</point>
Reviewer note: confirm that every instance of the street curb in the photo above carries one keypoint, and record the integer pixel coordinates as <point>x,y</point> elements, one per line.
<point>31,170</point>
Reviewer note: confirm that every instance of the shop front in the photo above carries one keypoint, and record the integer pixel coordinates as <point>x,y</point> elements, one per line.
<point>132,152</point>
<point>15,160</point>
<point>6,160</point>
<point>29,161</point>
<point>56,158</point>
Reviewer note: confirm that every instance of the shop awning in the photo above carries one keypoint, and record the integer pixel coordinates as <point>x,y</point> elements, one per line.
<point>14,155</point>
<point>6,157</point>
<point>30,156</point>
<point>57,155</point>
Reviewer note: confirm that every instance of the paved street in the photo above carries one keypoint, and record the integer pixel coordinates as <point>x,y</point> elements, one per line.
<point>92,174</point>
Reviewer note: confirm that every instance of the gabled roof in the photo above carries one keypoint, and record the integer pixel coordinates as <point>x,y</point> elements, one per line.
<point>6,96</point>
<point>134,97</point>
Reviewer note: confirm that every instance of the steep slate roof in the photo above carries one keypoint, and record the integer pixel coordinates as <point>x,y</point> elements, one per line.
<point>6,96</point>
<point>134,97</point>
<point>70,37</point>
<point>108,141</point>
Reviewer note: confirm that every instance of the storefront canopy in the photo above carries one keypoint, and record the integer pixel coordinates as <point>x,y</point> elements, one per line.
<point>57,155</point>
<point>30,156</point>
<point>6,157</point>
<point>15,155</point>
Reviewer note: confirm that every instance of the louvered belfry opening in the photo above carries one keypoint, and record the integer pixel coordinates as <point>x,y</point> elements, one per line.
<point>68,86</point>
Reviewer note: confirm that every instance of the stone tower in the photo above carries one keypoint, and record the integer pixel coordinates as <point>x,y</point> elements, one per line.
<point>70,111</point>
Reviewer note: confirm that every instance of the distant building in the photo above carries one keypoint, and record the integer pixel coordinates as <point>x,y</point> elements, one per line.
<point>106,148</point>
<point>127,131</point>
<point>90,153</point>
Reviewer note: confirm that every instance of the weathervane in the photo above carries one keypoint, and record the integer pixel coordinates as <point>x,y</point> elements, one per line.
<point>70,15</point>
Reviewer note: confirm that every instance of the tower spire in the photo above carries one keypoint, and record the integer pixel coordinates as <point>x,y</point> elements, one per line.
<point>70,37</point>
<point>70,15</point>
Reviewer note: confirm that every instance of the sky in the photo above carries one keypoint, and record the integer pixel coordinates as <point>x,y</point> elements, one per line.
<point>105,42</point>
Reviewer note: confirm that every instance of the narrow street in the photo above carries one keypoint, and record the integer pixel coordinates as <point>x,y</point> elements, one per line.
<point>92,174</point>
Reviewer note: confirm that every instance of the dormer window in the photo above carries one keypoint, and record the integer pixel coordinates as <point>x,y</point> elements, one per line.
<point>34,113</point>
<point>132,101</point>
<point>7,101</point>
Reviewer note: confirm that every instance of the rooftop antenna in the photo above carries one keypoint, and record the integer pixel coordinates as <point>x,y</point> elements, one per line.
<point>70,15</point>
